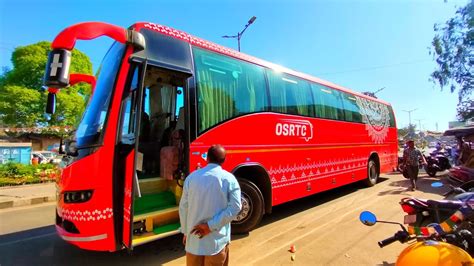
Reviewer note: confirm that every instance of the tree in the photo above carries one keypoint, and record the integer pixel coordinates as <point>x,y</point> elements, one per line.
<point>453,50</point>
<point>466,109</point>
<point>20,106</point>
<point>21,94</point>
<point>407,133</point>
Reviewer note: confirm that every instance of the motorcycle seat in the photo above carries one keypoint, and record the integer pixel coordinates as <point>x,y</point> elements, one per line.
<point>445,204</point>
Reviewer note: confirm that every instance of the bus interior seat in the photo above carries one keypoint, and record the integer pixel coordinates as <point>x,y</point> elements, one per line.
<point>169,155</point>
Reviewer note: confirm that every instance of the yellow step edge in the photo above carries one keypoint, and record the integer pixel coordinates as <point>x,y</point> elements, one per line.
<point>153,185</point>
<point>149,237</point>
<point>144,216</point>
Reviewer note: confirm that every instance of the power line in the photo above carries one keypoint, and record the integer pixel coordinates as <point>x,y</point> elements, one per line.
<point>376,67</point>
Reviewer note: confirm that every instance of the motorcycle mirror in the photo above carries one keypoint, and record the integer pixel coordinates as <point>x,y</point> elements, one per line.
<point>437,184</point>
<point>367,218</point>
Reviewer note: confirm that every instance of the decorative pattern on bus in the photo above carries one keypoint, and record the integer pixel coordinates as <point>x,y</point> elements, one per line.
<point>388,159</point>
<point>87,215</point>
<point>198,41</point>
<point>126,213</point>
<point>376,118</point>
<point>126,209</point>
<point>288,175</point>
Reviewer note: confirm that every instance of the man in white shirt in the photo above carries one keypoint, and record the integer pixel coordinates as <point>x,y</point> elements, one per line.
<point>210,201</point>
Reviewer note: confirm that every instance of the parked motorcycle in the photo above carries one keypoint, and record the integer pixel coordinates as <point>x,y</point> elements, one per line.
<point>436,162</point>
<point>460,174</point>
<point>422,213</point>
<point>429,249</point>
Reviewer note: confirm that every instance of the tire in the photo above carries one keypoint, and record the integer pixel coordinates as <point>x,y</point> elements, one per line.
<point>252,208</point>
<point>372,174</point>
<point>431,172</point>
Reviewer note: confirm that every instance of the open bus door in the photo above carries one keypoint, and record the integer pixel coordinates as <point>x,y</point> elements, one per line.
<point>151,153</point>
<point>129,160</point>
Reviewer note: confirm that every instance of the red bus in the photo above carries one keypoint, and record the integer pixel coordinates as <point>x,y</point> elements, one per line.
<point>162,97</point>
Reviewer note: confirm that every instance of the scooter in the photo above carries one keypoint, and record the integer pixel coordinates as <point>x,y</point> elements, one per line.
<point>428,249</point>
<point>436,162</point>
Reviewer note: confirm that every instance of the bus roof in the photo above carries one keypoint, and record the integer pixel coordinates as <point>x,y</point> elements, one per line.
<point>233,53</point>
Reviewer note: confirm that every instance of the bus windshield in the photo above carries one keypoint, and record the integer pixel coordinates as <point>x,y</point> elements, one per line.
<point>91,127</point>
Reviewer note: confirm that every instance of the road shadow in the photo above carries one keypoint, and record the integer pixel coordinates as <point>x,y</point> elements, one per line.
<point>424,184</point>
<point>42,246</point>
<point>291,208</point>
<point>386,264</point>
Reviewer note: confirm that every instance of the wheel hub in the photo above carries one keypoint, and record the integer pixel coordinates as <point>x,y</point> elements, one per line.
<point>373,172</point>
<point>246,208</point>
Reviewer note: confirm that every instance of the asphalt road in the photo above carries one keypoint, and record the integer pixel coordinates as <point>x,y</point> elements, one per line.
<point>324,228</point>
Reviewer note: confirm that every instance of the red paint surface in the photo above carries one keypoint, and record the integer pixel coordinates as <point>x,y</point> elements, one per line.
<point>88,31</point>
<point>337,153</point>
<point>95,172</point>
<point>77,78</point>
<point>127,201</point>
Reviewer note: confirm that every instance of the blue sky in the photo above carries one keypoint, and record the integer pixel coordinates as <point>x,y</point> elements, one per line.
<point>362,45</point>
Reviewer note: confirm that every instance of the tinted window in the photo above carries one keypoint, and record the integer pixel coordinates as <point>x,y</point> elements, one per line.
<point>392,116</point>
<point>327,101</point>
<point>226,88</point>
<point>129,110</point>
<point>289,95</point>
<point>93,122</point>
<point>351,109</point>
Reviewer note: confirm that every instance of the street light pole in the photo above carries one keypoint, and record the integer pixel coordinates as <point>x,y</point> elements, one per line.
<point>372,94</point>
<point>239,34</point>
<point>409,115</point>
<point>410,131</point>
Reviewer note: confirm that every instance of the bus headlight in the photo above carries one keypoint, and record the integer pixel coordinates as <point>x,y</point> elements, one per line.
<point>77,196</point>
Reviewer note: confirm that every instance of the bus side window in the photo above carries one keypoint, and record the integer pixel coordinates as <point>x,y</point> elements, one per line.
<point>351,109</point>
<point>290,95</point>
<point>227,88</point>
<point>328,102</point>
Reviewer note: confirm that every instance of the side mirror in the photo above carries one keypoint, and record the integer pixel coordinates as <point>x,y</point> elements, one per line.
<point>367,218</point>
<point>51,103</point>
<point>71,148</point>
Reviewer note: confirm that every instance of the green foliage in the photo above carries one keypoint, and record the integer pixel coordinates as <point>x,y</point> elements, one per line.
<point>453,50</point>
<point>69,107</point>
<point>16,169</point>
<point>466,109</point>
<point>20,106</point>
<point>407,132</point>
<point>18,174</point>
<point>22,99</point>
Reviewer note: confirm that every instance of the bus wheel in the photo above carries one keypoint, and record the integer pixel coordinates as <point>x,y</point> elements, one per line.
<point>372,174</point>
<point>252,208</point>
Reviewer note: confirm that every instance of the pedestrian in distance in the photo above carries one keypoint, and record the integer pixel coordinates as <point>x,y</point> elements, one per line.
<point>411,159</point>
<point>210,201</point>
